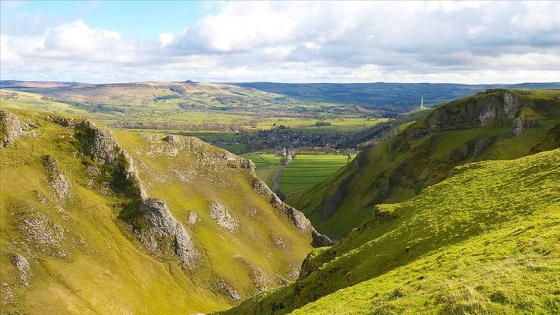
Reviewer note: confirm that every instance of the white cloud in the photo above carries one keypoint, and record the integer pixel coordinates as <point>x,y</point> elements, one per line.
<point>313,41</point>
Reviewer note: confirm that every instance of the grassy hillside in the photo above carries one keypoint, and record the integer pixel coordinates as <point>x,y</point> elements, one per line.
<point>483,241</point>
<point>491,125</point>
<point>96,222</point>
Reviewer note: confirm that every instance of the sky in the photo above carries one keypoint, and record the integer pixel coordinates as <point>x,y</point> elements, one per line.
<point>281,41</point>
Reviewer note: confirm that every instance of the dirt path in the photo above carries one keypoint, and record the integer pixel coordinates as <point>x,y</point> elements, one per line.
<point>275,182</point>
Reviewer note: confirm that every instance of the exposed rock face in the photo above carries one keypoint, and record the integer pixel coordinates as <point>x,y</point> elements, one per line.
<point>224,288</point>
<point>222,217</point>
<point>481,145</point>
<point>100,144</point>
<point>59,181</point>
<point>334,200</point>
<point>11,128</point>
<point>43,234</point>
<point>159,231</point>
<point>261,280</point>
<point>22,265</point>
<point>297,218</point>
<point>506,105</point>
<point>550,142</point>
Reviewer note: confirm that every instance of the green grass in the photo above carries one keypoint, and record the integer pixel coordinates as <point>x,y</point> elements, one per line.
<point>105,269</point>
<point>403,166</point>
<point>307,170</point>
<point>302,172</point>
<point>485,240</point>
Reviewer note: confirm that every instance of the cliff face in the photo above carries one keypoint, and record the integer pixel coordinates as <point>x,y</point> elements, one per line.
<point>157,218</point>
<point>11,128</point>
<point>497,104</point>
<point>496,124</point>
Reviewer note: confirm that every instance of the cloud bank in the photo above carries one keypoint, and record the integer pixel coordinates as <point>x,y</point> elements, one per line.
<point>463,42</point>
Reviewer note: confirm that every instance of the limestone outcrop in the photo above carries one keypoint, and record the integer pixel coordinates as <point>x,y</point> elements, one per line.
<point>100,144</point>
<point>161,233</point>
<point>60,183</point>
<point>298,219</point>
<point>11,128</point>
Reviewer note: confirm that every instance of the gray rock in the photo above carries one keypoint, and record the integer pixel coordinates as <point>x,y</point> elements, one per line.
<point>298,219</point>
<point>11,127</point>
<point>22,265</point>
<point>222,217</point>
<point>518,127</point>
<point>160,232</point>
<point>41,233</point>
<point>481,145</point>
<point>100,144</point>
<point>60,183</point>
<point>224,288</point>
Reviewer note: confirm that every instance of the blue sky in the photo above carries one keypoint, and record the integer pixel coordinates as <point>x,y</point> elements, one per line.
<point>132,19</point>
<point>283,41</point>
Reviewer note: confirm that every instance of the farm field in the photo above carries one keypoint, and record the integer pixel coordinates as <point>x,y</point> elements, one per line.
<point>303,171</point>
<point>307,170</point>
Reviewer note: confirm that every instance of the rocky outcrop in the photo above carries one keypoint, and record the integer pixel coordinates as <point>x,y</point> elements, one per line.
<point>11,128</point>
<point>57,178</point>
<point>22,265</point>
<point>334,200</point>
<point>481,145</point>
<point>497,104</point>
<point>224,288</point>
<point>550,142</point>
<point>42,234</point>
<point>100,144</point>
<point>161,233</point>
<point>261,280</point>
<point>222,217</point>
<point>298,219</point>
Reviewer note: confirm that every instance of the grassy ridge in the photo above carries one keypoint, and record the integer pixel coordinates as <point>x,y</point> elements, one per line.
<point>423,154</point>
<point>84,258</point>
<point>485,240</point>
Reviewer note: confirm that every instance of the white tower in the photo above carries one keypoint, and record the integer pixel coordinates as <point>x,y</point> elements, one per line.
<point>422,103</point>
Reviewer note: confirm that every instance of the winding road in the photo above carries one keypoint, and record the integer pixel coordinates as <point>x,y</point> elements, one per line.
<point>275,182</point>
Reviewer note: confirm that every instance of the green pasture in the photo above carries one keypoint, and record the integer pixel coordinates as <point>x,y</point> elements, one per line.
<point>303,171</point>
<point>307,170</point>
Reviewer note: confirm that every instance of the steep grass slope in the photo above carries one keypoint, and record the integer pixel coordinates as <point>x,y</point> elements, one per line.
<point>483,241</point>
<point>491,125</point>
<point>96,222</point>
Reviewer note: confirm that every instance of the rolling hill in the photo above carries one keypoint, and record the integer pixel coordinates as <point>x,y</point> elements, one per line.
<point>392,98</point>
<point>482,241</point>
<point>95,221</point>
<point>496,124</point>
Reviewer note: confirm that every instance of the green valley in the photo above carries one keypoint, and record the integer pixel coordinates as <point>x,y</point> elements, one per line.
<point>453,210</point>
<point>483,241</point>
<point>491,125</point>
<point>166,223</point>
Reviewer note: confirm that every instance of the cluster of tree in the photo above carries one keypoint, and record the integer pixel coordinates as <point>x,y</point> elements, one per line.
<point>166,97</point>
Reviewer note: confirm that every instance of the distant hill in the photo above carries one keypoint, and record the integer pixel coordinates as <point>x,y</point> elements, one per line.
<point>95,221</point>
<point>388,99</point>
<point>393,98</point>
<point>483,241</point>
<point>491,125</point>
